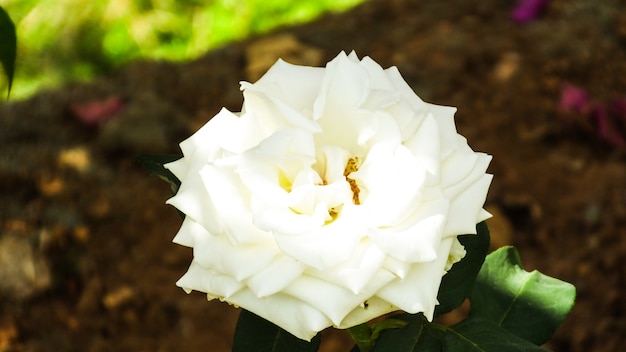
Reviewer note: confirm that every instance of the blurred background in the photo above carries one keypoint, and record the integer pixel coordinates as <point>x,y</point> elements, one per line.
<point>86,258</point>
<point>67,40</point>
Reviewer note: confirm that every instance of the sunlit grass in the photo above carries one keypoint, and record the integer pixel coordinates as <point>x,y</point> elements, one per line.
<point>62,40</point>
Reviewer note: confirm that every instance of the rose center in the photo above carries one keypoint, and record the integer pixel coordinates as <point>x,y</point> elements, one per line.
<point>353,166</point>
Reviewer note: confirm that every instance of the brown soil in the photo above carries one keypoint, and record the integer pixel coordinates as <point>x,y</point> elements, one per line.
<point>86,262</point>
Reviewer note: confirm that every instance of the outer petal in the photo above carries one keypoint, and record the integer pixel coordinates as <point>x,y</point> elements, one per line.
<point>296,85</point>
<point>275,113</point>
<point>318,293</point>
<point>185,236</point>
<point>418,243</point>
<point>373,307</point>
<point>358,272</point>
<point>205,280</point>
<point>448,136</point>
<point>299,318</point>
<point>238,262</point>
<point>400,85</point>
<point>196,203</point>
<point>466,169</point>
<point>344,87</point>
<point>418,291</point>
<point>277,275</point>
<point>467,210</point>
<point>425,144</point>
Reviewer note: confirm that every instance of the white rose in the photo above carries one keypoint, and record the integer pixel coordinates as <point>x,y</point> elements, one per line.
<point>333,197</point>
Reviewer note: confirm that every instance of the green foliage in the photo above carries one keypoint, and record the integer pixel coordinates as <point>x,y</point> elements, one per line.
<point>154,164</point>
<point>75,40</point>
<point>365,336</point>
<point>8,44</point>
<point>418,335</point>
<point>479,335</point>
<point>457,283</point>
<point>529,305</point>
<point>511,310</point>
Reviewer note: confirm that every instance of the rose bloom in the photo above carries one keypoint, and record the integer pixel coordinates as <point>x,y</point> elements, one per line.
<point>335,196</point>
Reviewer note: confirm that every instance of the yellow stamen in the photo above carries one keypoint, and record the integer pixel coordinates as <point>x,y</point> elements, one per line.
<point>351,167</point>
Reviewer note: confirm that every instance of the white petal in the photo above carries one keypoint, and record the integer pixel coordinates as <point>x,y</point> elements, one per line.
<point>296,85</point>
<point>299,318</point>
<point>484,215</point>
<point>269,170</point>
<point>232,204</point>
<point>352,56</point>
<point>378,78</point>
<point>373,307</point>
<point>466,168</point>
<point>196,203</point>
<point>332,300</point>
<point>425,144</point>
<point>359,271</point>
<point>448,137</point>
<point>457,252</point>
<point>205,144</point>
<point>275,114</point>
<point>397,267</point>
<point>331,163</point>
<point>283,220</point>
<point>418,291</point>
<point>466,209</point>
<point>391,182</point>
<point>407,92</point>
<point>234,133</point>
<point>281,272</point>
<point>204,280</point>
<point>178,167</point>
<point>325,246</point>
<point>238,262</point>
<point>185,236</point>
<point>418,243</point>
<point>344,87</point>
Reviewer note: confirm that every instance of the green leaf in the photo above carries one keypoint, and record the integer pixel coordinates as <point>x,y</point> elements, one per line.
<point>479,335</point>
<point>389,323</point>
<point>529,305</point>
<point>471,335</point>
<point>457,284</point>
<point>362,336</point>
<point>8,45</point>
<point>254,333</point>
<point>418,335</point>
<point>365,337</point>
<point>154,164</point>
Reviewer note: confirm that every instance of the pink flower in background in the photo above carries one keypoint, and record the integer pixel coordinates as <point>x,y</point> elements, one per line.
<point>95,112</point>
<point>574,99</point>
<point>605,119</point>
<point>527,10</point>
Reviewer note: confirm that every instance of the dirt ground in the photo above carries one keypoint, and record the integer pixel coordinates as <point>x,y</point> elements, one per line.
<point>86,259</point>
